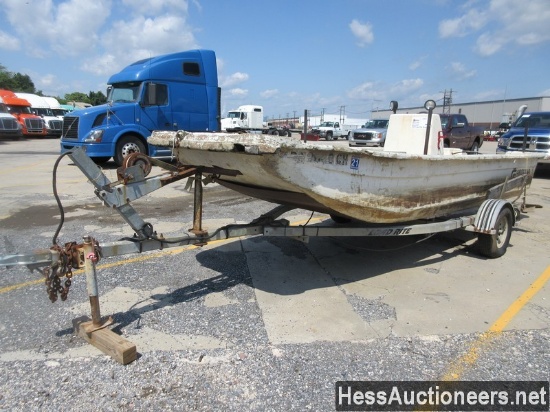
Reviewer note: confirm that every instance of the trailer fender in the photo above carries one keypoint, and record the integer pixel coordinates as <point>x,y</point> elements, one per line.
<point>487,215</point>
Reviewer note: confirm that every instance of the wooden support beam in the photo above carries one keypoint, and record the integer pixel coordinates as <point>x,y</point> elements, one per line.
<point>107,341</point>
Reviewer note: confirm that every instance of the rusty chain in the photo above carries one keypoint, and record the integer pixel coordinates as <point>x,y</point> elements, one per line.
<point>69,258</point>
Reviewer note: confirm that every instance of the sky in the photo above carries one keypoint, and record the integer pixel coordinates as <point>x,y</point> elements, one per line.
<point>338,56</point>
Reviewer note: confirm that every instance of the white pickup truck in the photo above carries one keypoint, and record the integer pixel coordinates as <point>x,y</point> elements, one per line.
<point>333,130</point>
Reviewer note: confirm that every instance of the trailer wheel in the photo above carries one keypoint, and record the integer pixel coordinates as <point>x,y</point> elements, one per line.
<point>494,246</point>
<point>127,145</point>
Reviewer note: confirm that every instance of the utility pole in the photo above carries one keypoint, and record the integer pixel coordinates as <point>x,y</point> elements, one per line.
<point>447,101</point>
<point>342,114</point>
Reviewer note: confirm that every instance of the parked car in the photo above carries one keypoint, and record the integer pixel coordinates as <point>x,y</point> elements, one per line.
<point>373,133</point>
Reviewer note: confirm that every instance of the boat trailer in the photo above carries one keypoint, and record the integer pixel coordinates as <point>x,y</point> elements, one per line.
<point>492,222</point>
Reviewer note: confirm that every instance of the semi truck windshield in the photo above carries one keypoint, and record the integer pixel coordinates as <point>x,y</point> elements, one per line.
<point>124,92</point>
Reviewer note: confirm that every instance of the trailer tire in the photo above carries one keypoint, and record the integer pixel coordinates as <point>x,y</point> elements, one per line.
<point>127,145</point>
<point>494,246</point>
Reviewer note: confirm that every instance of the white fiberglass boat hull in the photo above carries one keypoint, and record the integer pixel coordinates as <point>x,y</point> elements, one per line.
<point>367,185</point>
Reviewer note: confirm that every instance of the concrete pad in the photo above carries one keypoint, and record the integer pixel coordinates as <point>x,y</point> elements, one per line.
<point>434,290</point>
<point>298,299</point>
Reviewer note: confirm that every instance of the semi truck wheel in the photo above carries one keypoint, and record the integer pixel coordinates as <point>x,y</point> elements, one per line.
<point>127,145</point>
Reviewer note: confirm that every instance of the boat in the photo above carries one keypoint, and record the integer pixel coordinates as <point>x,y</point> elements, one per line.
<point>411,178</point>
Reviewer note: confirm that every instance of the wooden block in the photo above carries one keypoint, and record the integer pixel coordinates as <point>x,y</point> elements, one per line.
<point>107,341</point>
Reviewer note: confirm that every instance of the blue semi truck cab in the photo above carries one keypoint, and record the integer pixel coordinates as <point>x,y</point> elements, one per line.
<point>171,92</point>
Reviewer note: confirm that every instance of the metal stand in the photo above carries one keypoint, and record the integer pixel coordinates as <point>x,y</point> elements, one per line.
<point>95,331</point>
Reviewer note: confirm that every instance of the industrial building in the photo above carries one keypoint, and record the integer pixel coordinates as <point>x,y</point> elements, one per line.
<point>488,114</point>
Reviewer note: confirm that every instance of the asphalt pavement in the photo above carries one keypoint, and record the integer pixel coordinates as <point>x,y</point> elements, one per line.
<point>257,323</point>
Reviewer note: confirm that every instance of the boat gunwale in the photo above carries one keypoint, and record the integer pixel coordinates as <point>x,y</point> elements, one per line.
<point>255,144</point>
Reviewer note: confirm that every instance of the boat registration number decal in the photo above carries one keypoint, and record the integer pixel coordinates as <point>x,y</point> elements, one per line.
<point>519,172</point>
<point>330,158</point>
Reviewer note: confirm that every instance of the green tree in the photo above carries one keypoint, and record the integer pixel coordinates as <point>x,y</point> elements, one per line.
<point>16,82</point>
<point>97,98</point>
<point>77,97</point>
<point>6,81</point>
<point>23,83</point>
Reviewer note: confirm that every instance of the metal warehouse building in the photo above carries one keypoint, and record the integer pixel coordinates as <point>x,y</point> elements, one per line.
<point>489,114</point>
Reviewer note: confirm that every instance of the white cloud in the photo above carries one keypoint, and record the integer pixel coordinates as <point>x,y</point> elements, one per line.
<point>406,86</point>
<point>102,65</point>
<point>472,20</point>
<point>75,28</point>
<point>459,71</point>
<point>143,37</point>
<point>66,28</point>
<point>417,63</point>
<point>381,93</point>
<point>152,7</point>
<point>266,94</point>
<point>139,38</point>
<point>237,92</point>
<point>508,23</point>
<point>362,31</point>
<point>233,80</point>
<point>364,91</point>
<point>8,42</point>
<point>47,81</point>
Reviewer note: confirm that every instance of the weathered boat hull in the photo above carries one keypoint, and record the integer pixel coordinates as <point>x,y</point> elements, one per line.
<point>368,185</point>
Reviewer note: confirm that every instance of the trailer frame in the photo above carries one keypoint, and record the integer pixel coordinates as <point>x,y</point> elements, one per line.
<point>492,223</point>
